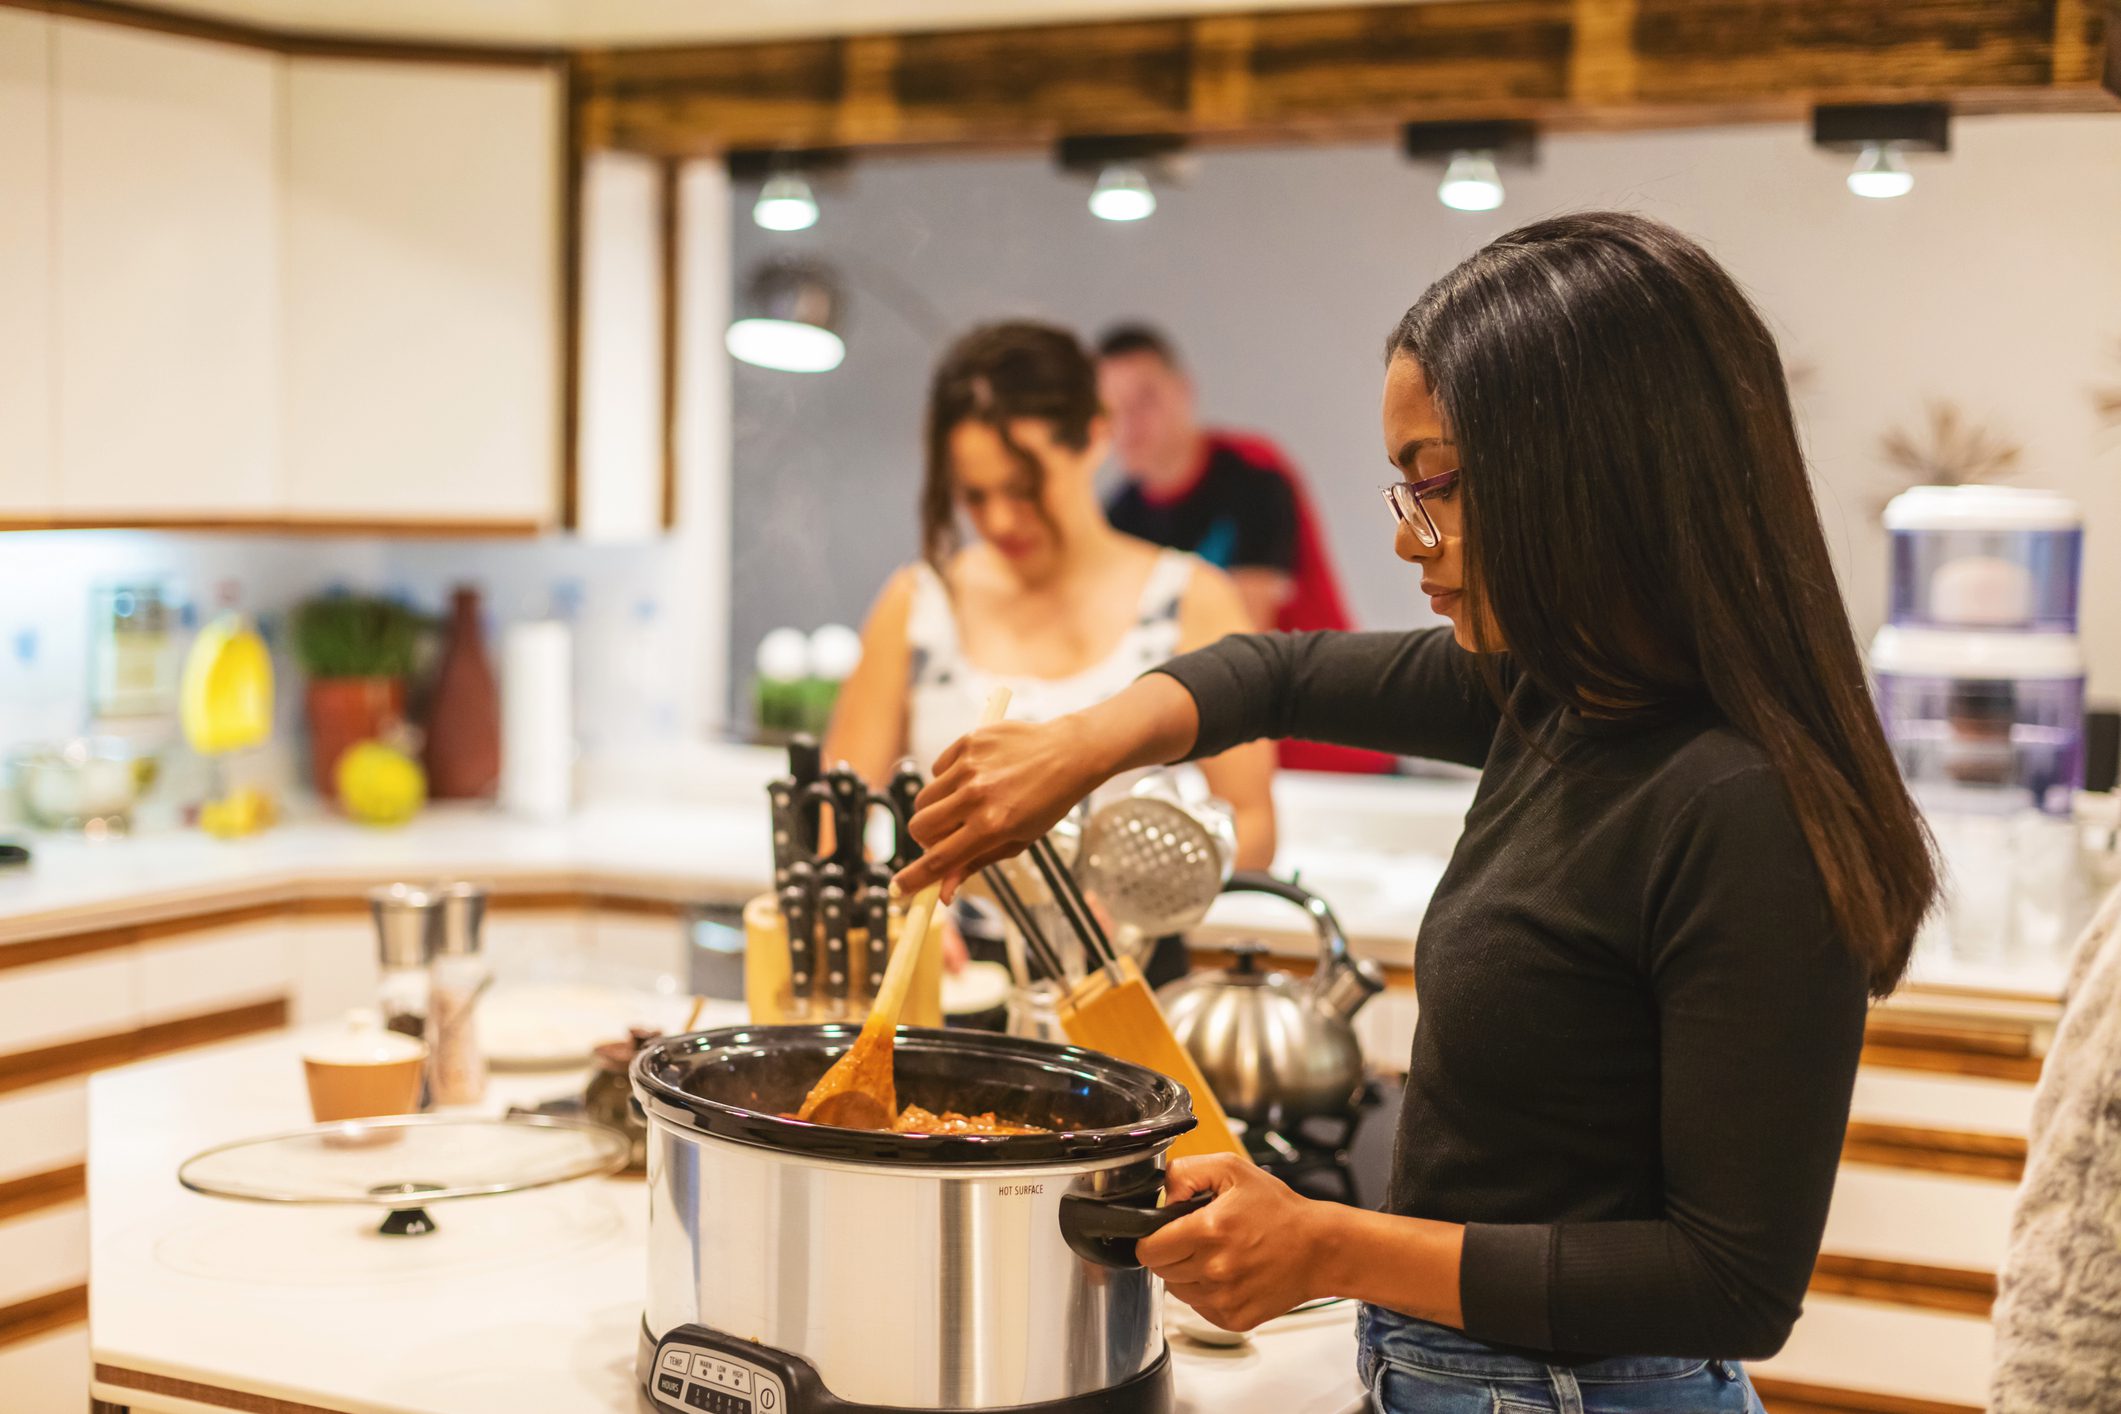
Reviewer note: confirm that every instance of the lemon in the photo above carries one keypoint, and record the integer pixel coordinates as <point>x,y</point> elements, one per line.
<point>240,813</point>
<point>380,785</point>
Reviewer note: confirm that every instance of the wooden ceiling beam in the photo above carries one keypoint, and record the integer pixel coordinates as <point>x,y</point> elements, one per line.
<point>1318,74</point>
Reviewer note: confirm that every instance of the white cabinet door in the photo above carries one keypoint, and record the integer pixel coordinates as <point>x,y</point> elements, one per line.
<point>167,253</point>
<point>26,471</point>
<point>422,292</point>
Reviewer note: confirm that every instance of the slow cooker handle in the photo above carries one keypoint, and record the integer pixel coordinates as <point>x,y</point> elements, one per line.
<point>1104,1230</point>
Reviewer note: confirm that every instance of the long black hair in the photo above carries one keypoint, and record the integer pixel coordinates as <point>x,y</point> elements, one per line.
<point>996,374</point>
<point>1640,528</point>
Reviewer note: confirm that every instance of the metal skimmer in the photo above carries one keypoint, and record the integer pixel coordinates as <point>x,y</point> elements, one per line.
<point>1155,865</point>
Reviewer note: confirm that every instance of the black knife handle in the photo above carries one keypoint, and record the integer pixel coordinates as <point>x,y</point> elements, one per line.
<point>787,848</point>
<point>876,917</point>
<point>833,908</point>
<point>906,785</point>
<point>798,913</point>
<point>812,803</point>
<point>850,819</point>
<point>806,764</point>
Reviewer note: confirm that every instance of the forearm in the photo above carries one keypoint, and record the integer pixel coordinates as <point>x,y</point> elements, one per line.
<point>1409,1265</point>
<point>1409,693</point>
<point>1152,722</point>
<point>1255,836</point>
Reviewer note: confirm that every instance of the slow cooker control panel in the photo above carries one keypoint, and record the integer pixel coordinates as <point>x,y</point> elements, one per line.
<point>697,1378</point>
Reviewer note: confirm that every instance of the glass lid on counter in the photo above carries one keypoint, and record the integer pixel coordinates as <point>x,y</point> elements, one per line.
<point>406,1159</point>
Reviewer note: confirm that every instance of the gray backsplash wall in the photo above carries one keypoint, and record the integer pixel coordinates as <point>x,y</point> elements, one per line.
<point>1280,272</point>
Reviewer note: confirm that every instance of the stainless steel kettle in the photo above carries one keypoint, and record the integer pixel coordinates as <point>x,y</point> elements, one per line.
<point>1275,1048</point>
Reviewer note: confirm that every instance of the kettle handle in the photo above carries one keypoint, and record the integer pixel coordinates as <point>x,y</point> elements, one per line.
<point>1332,942</point>
<point>1104,1229</point>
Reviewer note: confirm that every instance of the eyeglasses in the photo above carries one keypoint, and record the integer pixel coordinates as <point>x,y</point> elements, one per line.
<point>1407,501</point>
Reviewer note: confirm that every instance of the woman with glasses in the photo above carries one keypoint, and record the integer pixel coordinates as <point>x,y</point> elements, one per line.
<point>1047,598</point>
<point>1689,864</point>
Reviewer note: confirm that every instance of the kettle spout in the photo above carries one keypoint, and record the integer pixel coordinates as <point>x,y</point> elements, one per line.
<point>1343,988</point>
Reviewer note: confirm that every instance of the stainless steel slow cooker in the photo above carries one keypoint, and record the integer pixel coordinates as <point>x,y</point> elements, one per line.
<point>807,1268</point>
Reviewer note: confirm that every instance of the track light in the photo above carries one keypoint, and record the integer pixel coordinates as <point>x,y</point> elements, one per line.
<point>1122,193</point>
<point>1472,156</point>
<point>787,319</point>
<point>1471,183</point>
<point>785,203</point>
<point>1880,173</point>
<point>1125,171</point>
<point>1881,135</point>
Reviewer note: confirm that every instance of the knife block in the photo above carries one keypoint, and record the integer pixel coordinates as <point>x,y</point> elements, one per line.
<point>766,973</point>
<point>1121,1018</point>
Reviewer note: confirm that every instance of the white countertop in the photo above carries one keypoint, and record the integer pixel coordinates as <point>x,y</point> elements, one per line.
<point>1373,847</point>
<point>516,1305</point>
<point>696,830</point>
<point>678,850</point>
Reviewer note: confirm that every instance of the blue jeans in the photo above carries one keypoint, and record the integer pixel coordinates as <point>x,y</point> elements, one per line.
<point>1413,1367</point>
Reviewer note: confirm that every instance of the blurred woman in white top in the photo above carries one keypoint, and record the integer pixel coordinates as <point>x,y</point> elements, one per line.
<point>1047,598</point>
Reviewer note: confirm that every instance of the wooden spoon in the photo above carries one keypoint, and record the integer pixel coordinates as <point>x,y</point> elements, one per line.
<point>859,1091</point>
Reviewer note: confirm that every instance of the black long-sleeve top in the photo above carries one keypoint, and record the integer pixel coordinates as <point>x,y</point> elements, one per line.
<point>1639,1027</point>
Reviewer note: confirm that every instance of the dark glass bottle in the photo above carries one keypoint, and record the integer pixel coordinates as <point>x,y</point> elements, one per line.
<point>464,724</point>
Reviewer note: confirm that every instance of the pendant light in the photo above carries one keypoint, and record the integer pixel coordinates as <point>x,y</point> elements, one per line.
<point>1881,135</point>
<point>1472,156</point>
<point>785,203</point>
<point>1122,193</point>
<point>788,319</point>
<point>1471,183</point>
<point>1124,171</point>
<point>1880,173</point>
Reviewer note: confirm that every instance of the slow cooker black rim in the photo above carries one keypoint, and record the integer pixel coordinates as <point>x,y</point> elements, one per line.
<point>1166,1111</point>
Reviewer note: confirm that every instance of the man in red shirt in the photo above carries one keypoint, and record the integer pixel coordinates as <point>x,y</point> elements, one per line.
<point>1231,498</point>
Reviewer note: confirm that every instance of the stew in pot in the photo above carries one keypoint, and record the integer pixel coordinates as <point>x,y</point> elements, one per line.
<point>915,1120</point>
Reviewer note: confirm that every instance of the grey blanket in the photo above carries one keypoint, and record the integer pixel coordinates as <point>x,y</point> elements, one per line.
<point>2058,1303</point>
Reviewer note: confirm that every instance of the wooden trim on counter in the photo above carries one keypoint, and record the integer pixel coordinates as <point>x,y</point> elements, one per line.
<point>424,528</point>
<point>39,1191</point>
<point>55,1310</point>
<point>1974,1052</point>
<point>92,940</point>
<point>24,1069</point>
<point>1798,1397</point>
<point>1956,1289</point>
<point>1397,979</point>
<point>501,901</point>
<point>2023,1070</point>
<point>119,1377</point>
<point>2000,1157</point>
<point>308,44</point>
<point>2008,1050</point>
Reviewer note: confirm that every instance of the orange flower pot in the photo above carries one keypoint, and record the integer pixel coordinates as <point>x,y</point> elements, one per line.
<point>344,711</point>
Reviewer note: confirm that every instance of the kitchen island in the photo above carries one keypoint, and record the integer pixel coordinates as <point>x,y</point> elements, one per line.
<point>115,951</point>
<point>523,1304</point>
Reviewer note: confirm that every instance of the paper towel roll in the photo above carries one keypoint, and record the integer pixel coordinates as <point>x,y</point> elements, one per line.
<point>537,719</point>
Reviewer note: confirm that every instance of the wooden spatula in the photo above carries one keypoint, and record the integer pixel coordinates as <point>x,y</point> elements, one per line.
<point>859,1091</point>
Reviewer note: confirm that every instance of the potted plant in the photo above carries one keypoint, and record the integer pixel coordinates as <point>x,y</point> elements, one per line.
<point>357,652</point>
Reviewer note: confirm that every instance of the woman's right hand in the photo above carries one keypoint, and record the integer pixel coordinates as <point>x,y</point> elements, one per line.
<point>995,792</point>
<point>1005,785</point>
